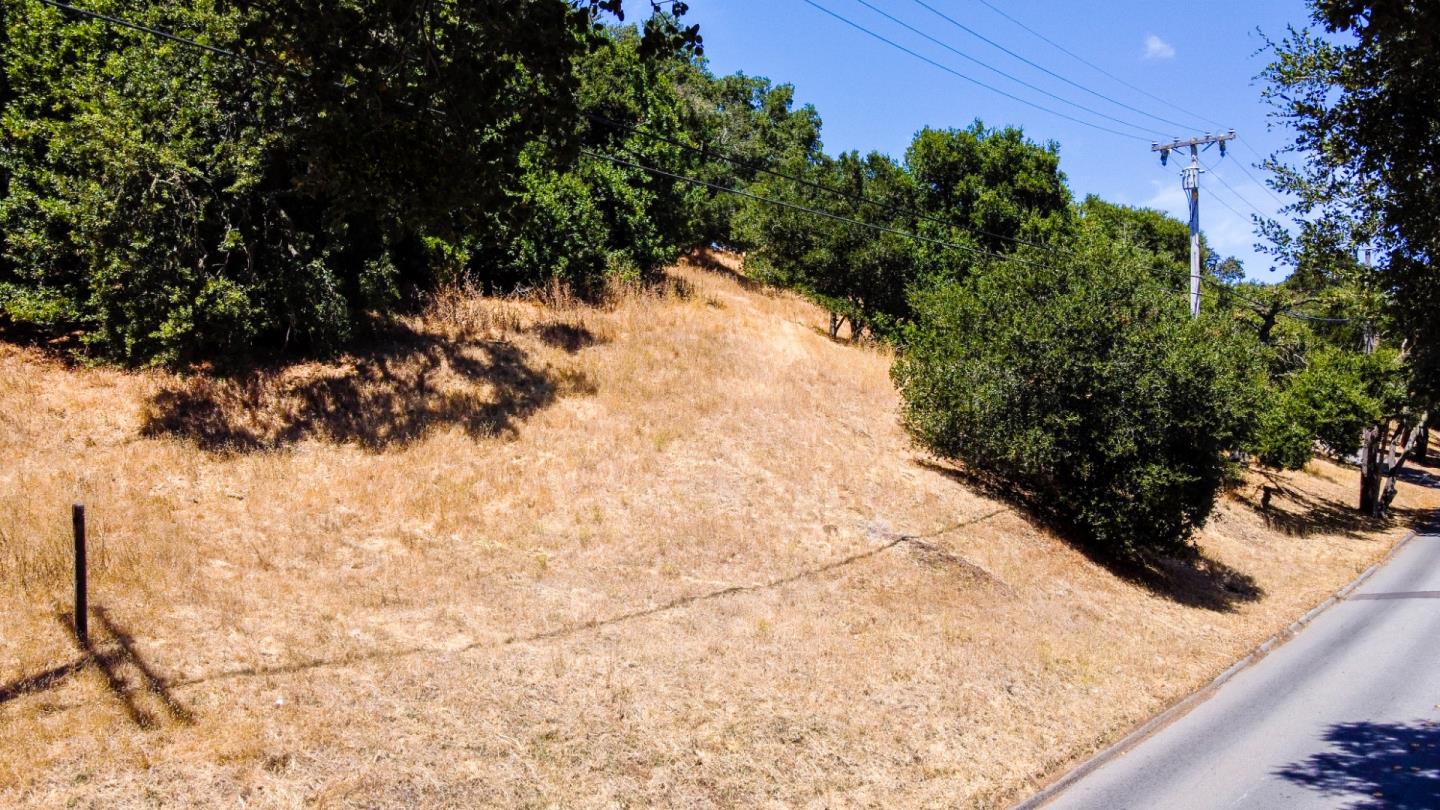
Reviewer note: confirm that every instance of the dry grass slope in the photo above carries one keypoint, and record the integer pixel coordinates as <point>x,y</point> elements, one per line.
<point>674,551</point>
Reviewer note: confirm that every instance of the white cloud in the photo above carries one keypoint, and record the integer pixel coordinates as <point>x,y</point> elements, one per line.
<point>1157,48</point>
<point>1230,232</point>
<point>1167,196</point>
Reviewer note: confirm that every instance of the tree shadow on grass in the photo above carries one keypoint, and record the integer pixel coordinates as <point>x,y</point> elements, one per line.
<point>567,336</point>
<point>1420,475</point>
<point>388,393</point>
<point>1300,514</point>
<point>707,261</point>
<point>1188,577</point>
<point>1375,765</point>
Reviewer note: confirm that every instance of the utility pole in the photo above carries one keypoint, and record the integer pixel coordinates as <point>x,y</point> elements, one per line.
<point>1372,467</point>
<point>1190,181</point>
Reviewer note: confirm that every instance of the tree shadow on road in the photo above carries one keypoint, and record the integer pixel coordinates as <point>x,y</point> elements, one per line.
<point>1190,577</point>
<point>1375,765</point>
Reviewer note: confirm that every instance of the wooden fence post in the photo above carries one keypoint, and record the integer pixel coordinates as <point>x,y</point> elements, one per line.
<point>82,608</point>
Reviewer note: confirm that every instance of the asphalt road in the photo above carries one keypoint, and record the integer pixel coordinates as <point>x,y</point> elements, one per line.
<point>1346,714</point>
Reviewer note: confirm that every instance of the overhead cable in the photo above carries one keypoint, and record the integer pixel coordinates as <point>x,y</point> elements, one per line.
<point>1082,60</point>
<point>892,43</point>
<point>972,32</point>
<point>947,46</point>
<point>891,207</point>
<point>795,206</point>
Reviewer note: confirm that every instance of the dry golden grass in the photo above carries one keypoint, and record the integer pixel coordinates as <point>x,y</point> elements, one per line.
<point>674,551</point>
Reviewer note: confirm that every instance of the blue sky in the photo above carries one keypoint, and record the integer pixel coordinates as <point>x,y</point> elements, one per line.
<point>1201,57</point>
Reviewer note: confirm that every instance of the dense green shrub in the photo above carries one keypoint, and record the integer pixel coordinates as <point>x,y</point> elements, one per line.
<point>969,194</point>
<point>170,204</point>
<point>578,218</point>
<point>753,124</point>
<point>1166,237</point>
<point>581,227</point>
<point>987,187</point>
<point>1082,388</point>
<point>1331,399</point>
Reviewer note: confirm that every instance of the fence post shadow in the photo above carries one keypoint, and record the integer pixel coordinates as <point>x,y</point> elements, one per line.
<point>144,695</point>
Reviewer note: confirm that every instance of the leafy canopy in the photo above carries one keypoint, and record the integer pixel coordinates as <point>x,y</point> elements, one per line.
<point>1083,388</point>
<point>1366,110</point>
<point>171,204</point>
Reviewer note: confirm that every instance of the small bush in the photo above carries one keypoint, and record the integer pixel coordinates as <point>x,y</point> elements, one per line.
<point>1331,399</point>
<point>1084,388</point>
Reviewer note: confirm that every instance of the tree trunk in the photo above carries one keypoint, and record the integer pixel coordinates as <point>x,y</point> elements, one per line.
<point>1371,475</point>
<point>1422,443</point>
<point>1378,490</point>
<point>1395,451</point>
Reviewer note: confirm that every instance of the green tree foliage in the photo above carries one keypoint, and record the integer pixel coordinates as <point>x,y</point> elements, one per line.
<point>1161,234</point>
<point>1313,387</point>
<point>1360,95</point>
<point>752,123</point>
<point>1083,388</point>
<point>860,274</point>
<point>968,194</point>
<point>581,219</point>
<point>663,34</point>
<point>988,188</point>
<point>1318,389</point>
<point>1330,399</point>
<point>1365,110</point>
<point>171,203</point>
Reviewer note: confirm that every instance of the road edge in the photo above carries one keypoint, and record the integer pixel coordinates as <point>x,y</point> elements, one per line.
<point>1178,709</point>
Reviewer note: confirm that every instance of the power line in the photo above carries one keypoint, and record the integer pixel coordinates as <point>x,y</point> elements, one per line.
<point>1082,60</point>
<point>815,211</point>
<point>891,207</point>
<point>970,79</point>
<point>166,35</point>
<point>620,161</point>
<point>1236,192</point>
<point>1217,197</point>
<point>994,69</point>
<point>158,33</point>
<point>972,32</point>
<point>1252,149</point>
<point>1190,182</point>
<point>1227,206</point>
<point>1255,180</point>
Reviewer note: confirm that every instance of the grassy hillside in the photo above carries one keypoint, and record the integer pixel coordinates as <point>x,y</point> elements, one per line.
<point>674,551</point>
